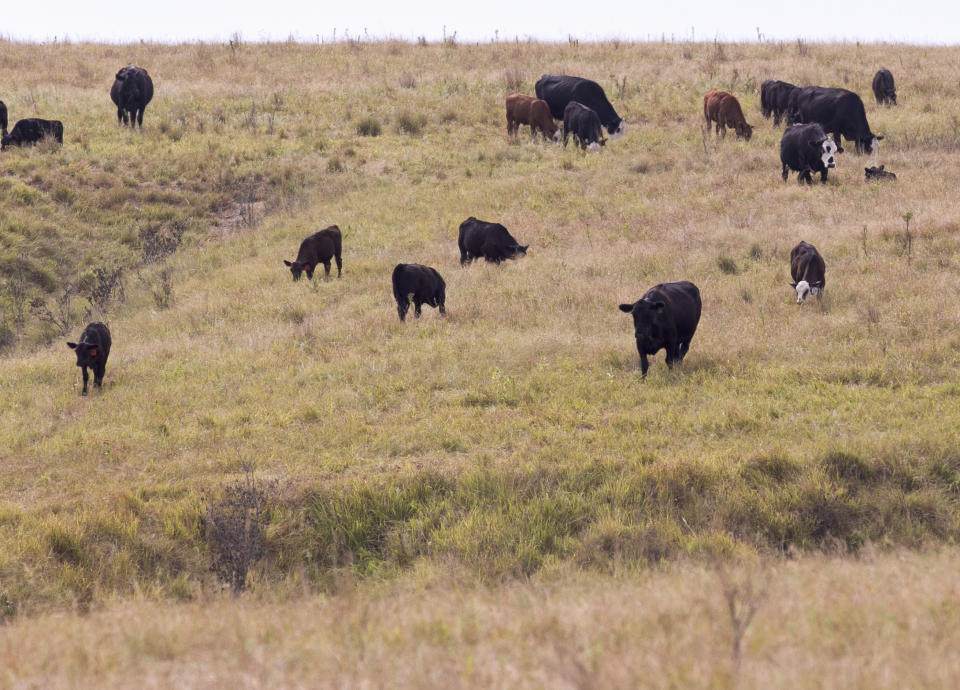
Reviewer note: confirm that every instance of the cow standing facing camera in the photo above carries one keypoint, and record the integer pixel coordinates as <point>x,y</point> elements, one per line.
<point>665,318</point>
<point>92,351</point>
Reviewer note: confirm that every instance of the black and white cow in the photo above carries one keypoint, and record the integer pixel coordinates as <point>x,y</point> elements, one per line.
<point>317,249</point>
<point>423,283</point>
<point>131,91</point>
<point>839,112</point>
<point>3,119</point>
<point>584,124</point>
<point>775,99</point>
<point>32,130</point>
<point>807,149</point>
<point>492,241</point>
<point>559,89</point>
<point>883,88</point>
<point>666,317</point>
<point>808,271</point>
<point>92,351</point>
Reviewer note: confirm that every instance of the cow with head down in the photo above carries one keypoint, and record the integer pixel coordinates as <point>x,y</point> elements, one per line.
<point>492,241</point>
<point>527,110</point>
<point>808,271</point>
<point>560,89</point>
<point>665,318</point>
<point>724,109</point>
<point>807,149</point>
<point>317,249</point>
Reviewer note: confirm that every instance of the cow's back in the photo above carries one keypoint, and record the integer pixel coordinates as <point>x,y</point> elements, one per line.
<point>683,301</point>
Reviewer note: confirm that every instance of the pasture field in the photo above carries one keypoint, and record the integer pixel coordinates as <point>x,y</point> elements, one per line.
<point>506,460</point>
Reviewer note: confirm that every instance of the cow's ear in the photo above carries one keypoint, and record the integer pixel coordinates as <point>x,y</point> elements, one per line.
<point>867,170</point>
<point>524,248</point>
<point>659,307</point>
<point>793,285</point>
<point>817,144</point>
<point>287,262</point>
<point>626,308</point>
<point>881,168</point>
<point>879,137</point>
<point>817,284</point>
<point>72,346</point>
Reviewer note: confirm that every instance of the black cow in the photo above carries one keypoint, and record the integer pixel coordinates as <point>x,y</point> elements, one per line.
<point>839,112</point>
<point>3,119</point>
<point>32,130</point>
<point>92,351</point>
<point>807,149</point>
<point>131,91</point>
<point>666,317</point>
<point>808,272</point>
<point>878,173</point>
<point>317,249</point>
<point>775,99</point>
<point>584,124</point>
<point>423,283</point>
<point>558,90</point>
<point>492,241</point>
<point>883,89</point>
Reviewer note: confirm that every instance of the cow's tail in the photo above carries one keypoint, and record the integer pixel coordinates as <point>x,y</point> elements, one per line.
<point>396,283</point>
<point>337,244</point>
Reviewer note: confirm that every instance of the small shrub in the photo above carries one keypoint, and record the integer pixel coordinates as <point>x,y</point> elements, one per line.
<point>727,265</point>
<point>163,292</point>
<point>233,526</point>
<point>369,127</point>
<point>846,466</point>
<point>513,76</point>
<point>335,165</point>
<point>411,123</point>
<point>408,81</point>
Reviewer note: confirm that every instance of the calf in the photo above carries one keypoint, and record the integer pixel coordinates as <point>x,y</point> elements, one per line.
<point>808,272</point>
<point>883,88</point>
<point>878,173</point>
<point>724,109</point>
<point>319,248</point>
<point>92,351</point>
<point>584,124</point>
<point>32,130</point>
<point>807,149</point>
<point>666,317</point>
<point>492,241</point>
<point>527,110</point>
<point>422,283</point>
<point>3,119</point>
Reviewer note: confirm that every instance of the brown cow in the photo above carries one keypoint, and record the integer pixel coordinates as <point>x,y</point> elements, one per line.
<point>527,110</point>
<point>724,109</point>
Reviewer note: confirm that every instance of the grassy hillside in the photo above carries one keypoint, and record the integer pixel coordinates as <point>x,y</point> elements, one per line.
<point>513,437</point>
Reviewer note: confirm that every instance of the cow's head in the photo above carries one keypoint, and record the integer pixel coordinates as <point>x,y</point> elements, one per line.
<point>595,145</point>
<point>805,290</point>
<point>872,145</point>
<point>86,353</point>
<point>619,130</point>
<point>744,130</point>
<point>519,249</point>
<point>878,173</point>
<point>828,150</point>
<point>557,134</point>
<point>5,141</point>
<point>649,321</point>
<point>298,267</point>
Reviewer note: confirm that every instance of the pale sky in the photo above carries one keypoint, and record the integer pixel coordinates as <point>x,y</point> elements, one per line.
<point>917,21</point>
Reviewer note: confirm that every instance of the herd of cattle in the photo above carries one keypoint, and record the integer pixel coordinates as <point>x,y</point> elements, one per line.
<point>666,317</point>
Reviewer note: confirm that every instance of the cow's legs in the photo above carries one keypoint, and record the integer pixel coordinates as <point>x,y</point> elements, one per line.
<point>98,371</point>
<point>785,172</point>
<point>119,116</point>
<point>402,307</point>
<point>416,307</point>
<point>644,365</point>
<point>139,118</point>
<point>326,268</point>
<point>86,378</point>
<point>339,264</point>
<point>823,176</point>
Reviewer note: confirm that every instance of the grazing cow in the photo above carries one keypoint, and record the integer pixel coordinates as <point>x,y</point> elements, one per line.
<point>808,272</point>
<point>807,149</point>
<point>584,124</point>
<point>492,241</point>
<point>92,351</point>
<point>878,173</point>
<point>883,89</point>
<point>666,317</point>
<point>317,249</point>
<point>32,130</point>
<point>775,99</point>
<point>558,90</point>
<point>724,109</point>
<point>527,110</point>
<point>131,91</point>
<point>839,112</point>
<point>423,283</point>
<point>3,119</point>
